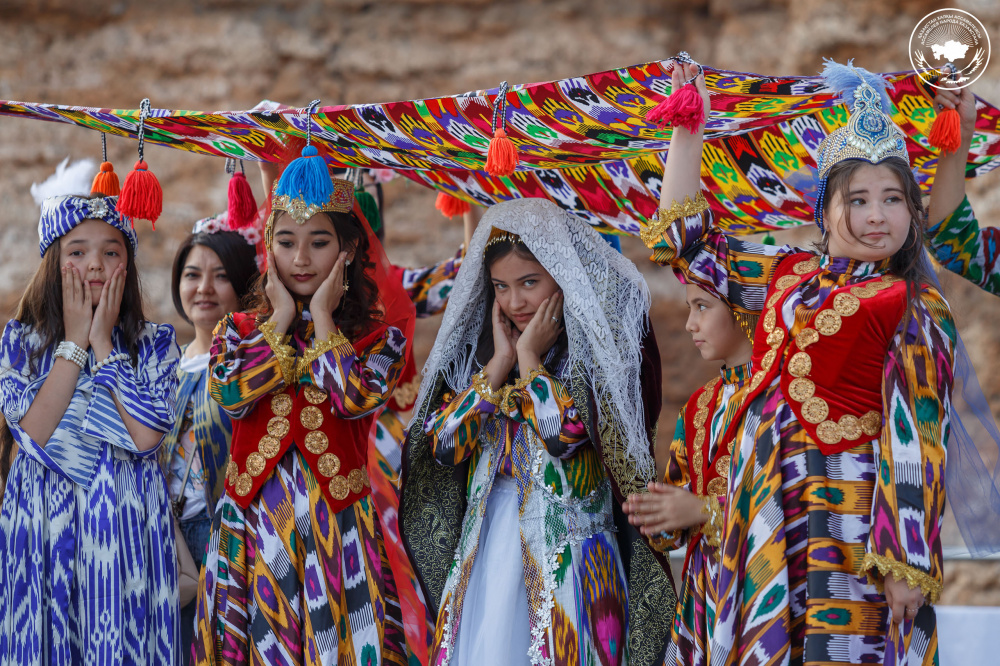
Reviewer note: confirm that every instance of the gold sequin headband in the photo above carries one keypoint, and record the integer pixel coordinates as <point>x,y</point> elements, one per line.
<point>500,236</point>
<point>341,201</point>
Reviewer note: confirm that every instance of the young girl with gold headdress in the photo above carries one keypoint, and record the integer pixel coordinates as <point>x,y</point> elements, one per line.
<point>296,569</point>
<point>831,545</point>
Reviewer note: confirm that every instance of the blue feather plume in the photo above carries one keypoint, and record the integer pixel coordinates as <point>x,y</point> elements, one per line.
<point>844,79</point>
<point>307,178</point>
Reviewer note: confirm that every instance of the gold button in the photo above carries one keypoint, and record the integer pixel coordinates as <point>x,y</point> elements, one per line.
<point>338,488</point>
<point>281,404</point>
<point>269,446</point>
<point>329,464</point>
<point>800,365</point>
<point>786,282</point>
<point>255,463</point>
<point>356,481</point>
<point>776,337</point>
<point>806,337</point>
<point>243,485</point>
<point>722,465</point>
<point>700,417</point>
<point>846,304</point>
<point>801,389</point>
<point>871,423</point>
<point>828,432</point>
<point>364,477</point>
<point>850,426</point>
<point>770,317</point>
<point>316,442</point>
<point>768,360</point>
<point>232,471</point>
<point>311,417</point>
<point>806,266</point>
<point>827,322</point>
<point>815,410</point>
<point>278,427</point>
<point>717,486</point>
<point>314,395</point>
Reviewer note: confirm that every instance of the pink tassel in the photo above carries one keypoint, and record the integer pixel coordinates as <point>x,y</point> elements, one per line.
<point>683,108</point>
<point>242,206</point>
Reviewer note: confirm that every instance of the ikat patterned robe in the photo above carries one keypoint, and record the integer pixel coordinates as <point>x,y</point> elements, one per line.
<point>964,248</point>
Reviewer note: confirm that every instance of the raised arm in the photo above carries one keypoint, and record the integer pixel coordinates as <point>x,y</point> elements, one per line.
<point>428,287</point>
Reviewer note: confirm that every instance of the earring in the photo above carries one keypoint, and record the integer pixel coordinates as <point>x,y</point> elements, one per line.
<point>346,285</point>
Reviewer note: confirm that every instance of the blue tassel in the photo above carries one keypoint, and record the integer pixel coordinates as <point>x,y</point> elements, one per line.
<point>844,79</point>
<point>307,178</point>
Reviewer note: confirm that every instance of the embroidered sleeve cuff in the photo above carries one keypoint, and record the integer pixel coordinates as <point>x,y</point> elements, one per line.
<point>282,350</point>
<point>930,586</point>
<point>663,218</point>
<point>482,388</point>
<point>712,528</point>
<point>336,341</point>
<point>511,392</point>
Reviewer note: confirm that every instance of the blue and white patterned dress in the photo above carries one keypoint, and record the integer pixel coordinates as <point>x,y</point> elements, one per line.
<point>88,569</point>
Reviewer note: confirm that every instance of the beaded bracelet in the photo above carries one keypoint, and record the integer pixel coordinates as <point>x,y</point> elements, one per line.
<point>72,352</point>
<point>120,356</point>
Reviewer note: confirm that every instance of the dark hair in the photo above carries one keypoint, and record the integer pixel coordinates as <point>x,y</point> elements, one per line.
<point>238,260</point>
<point>908,262</point>
<point>41,308</point>
<point>359,308</point>
<point>493,253</point>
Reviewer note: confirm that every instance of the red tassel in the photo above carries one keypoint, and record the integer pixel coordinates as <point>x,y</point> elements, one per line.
<point>141,197</point>
<point>106,181</point>
<point>501,156</point>
<point>683,108</point>
<point>946,132</point>
<point>242,206</point>
<point>451,206</point>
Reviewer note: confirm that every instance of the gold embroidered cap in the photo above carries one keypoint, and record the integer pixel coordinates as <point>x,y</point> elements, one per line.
<point>340,201</point>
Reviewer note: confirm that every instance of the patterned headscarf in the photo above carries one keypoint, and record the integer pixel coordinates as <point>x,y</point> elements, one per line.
<point>62,214</point>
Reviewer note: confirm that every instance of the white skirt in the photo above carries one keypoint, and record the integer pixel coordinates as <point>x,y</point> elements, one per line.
<point>494,625</point>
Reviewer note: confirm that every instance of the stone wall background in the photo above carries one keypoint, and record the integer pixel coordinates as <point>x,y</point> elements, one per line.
<point>224,54</point>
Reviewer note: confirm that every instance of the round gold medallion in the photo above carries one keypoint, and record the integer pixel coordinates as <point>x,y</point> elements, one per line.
<point>776,337</point>
<point>806,337</point>
<point>846,304</point>
<point>338,488</point>
<point>801,389</point>
<point>786,282</point>
<point>770,318</point>
<point>232,471</point>
<point>815,410</point>
<point>800,365</point>
<point>243,485</point>
<point>806,266</point>
<point>278,427</point>
<point>850,426</point>
<point>717,486</point>
<point>317,442</point>
<point>828,432</point>
<point>281,404</point>
<point>364,477</point>
<point>871,423</point>
<point>269,446</point>
<point>314,395</point>
<point>355,481</point>
<point>700,417</point>
<point>255,463</point>
<point>722,465</point>
<point>328,464</point>
<point>863,292</point>
<point>827,322</point>
<point>311,417</point>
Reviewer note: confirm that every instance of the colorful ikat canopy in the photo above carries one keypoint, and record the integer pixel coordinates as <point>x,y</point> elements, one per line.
<point>583,141</point>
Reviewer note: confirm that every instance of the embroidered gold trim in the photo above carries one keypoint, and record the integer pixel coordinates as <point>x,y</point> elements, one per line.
<point>776,337</point>
<point>406,393</point>
<point>722,466</point>
<point>311,417</point>
<point>806,337</point>
<point>355,481</point>
<point>317,442</point>
<point>520,384</point>
<point>747,323</point>
<point>806,266</point>
<point>243,485</point>
<point>269,445</point>
<point>846,304</point>
<point>712,528</point>
<point>232,471</point>
<point>256,463</point>
<point>768,359</point>
<point>770,318</point>
<point>756,381</point>
<point>786,281</point>
<point>338,488</point>
<point>281,404</point>
<point>481,385</point>
<point>717,486</point>
<point>663,218</point>
<point>282,350</point>
<point>800,364</point>
<point>871,423</point>
<point>278,427</point>
<point>314,396</point>
<point>318,348</point>
<point>828,322</point>
<point>929,586</point>
<point>328,464</point>
<point>815,410</point>
<point>801,389</point>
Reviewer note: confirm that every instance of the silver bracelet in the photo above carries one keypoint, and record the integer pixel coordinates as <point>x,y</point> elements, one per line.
<point>72,352</point>
<point>120,356</point>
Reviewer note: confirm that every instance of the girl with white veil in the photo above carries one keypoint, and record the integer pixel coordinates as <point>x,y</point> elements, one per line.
<point>535,415</point>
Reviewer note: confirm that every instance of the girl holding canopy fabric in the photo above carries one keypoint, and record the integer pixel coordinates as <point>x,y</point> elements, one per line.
<point>831,546</point>
<point>535,415</point>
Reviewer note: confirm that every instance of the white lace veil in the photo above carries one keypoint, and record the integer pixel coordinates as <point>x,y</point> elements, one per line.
<point>606,304</point>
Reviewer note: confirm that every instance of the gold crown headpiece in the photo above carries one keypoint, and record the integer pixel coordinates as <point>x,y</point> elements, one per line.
<point>341,201</point>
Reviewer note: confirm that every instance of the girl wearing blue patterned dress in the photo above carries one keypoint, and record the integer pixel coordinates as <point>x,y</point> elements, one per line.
<point>87,558</point>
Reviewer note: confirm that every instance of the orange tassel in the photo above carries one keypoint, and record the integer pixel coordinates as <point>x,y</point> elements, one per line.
<point>141,197</point>
<point>501,156</point>
<point>451,206</point>
<point>946,132</point>
<point>106,181</point>
<point>242,206</point>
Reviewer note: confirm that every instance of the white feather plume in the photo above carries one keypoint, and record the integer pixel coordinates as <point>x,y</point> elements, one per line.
<point>75,178</point>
